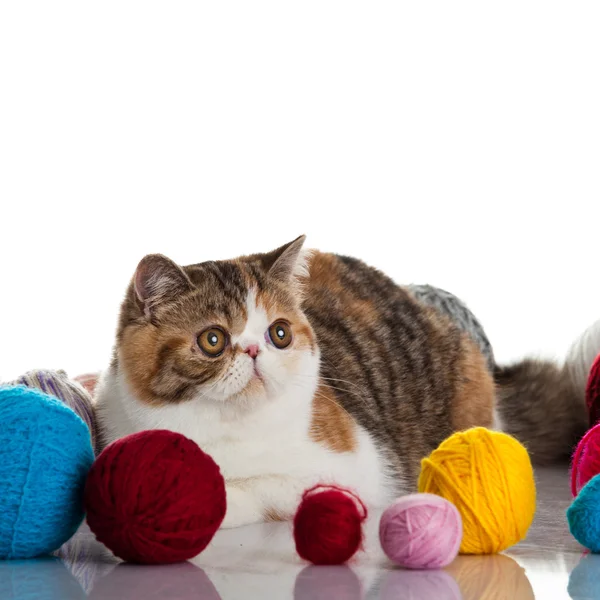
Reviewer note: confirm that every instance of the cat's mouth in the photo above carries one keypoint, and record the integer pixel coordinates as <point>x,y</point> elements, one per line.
<point>257,374</point>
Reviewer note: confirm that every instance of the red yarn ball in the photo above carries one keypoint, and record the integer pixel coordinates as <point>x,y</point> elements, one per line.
<point>592,393</point>
<point>328,525</point>
<point>155,498</point>
<point>586,460</point>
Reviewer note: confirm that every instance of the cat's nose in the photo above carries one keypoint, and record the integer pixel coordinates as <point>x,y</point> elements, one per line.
<point>252,350</point>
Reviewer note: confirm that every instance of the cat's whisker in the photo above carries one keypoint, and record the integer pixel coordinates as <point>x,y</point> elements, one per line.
<point>332,379</point>
<point>357,394</point>
<point>334,402</point>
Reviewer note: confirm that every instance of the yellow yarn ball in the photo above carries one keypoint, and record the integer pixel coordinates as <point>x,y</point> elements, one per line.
<point>488,476</point>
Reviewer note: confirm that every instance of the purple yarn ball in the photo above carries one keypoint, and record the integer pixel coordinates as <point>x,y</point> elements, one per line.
<point>421,531</point>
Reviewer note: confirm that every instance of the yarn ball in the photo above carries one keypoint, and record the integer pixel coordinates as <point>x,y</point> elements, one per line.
<point>592,393</point>
<point>45,455</point>
<point>459,313</point>
<point>488,476</point>
<point>155,498</point>
<point>421,531</point>
<point>581,355</point>
<point>586,459</point>
<point>71,393</point>
<point>584,517</point>
<point>328,525</point>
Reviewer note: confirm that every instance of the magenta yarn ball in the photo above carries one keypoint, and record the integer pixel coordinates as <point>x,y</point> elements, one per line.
<point>421,531</point>
<point>586,459</point>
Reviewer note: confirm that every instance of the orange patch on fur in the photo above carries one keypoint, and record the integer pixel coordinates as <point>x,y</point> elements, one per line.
<point>473,404</point>
<point>364,310</point>
<point>272,515</point>
<point>138,355</point>
<point>324,270</point>
<point>331,425</point>
<point>325,273</point>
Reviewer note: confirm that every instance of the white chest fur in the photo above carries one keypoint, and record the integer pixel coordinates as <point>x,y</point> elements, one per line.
<point>265,454</point>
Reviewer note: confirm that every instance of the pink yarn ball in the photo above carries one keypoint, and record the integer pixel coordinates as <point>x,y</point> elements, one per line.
<point>586,460</point>
<point>421,531</point>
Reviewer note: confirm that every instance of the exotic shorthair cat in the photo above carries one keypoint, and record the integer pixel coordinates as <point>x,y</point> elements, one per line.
<point>293,368</point>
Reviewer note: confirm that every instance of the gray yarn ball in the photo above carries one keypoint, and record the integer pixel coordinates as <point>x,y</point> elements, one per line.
<point>457,311</point>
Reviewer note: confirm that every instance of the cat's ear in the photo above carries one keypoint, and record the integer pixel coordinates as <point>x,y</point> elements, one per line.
<point>287,262</point>
<point>157,279</point>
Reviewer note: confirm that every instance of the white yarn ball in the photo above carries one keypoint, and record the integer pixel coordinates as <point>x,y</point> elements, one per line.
<point>582,354</point>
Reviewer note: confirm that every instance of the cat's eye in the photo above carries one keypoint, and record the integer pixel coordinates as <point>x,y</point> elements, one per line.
<point>212,341</point>
<point>280,334</point>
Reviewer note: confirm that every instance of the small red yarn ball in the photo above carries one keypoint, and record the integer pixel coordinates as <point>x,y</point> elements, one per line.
<point>586,460</point>
<point>592,393</point>
<point>328,525</point>
<point>154,498</point>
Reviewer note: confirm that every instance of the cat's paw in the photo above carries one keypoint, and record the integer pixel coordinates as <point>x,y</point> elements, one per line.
<point>242,508</point>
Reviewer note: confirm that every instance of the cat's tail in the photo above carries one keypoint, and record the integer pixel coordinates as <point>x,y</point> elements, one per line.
<point>541,405</point>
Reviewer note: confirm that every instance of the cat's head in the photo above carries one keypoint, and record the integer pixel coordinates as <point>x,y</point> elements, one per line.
<point>230,332</point>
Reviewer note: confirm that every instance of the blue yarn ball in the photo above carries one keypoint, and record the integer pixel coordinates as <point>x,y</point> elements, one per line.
<point>584,515</point>
<point>45,455</point>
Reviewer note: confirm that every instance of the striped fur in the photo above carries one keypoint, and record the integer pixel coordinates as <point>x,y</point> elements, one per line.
<point>398,367</point>
<point>459,313</point>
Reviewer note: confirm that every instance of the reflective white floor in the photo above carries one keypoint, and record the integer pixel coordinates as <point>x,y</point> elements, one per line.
<point>260,562</point>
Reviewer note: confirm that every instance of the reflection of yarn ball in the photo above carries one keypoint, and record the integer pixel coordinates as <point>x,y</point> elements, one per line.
<point>592,393</point>
<point>137,582</point>
<point>419,585</point>
<point>421,531</point>
<point>86,559</point>
<point>584,517</point>
<point>583,580</point>
<point>45,455</point>
<point>39,579</point>
<point>327,583</point>
<point>586,460</point>
<point>492,577</point>
<point>458,312</point>
<point>488,476</point>
<point>582,354</point>
<point>154,497</point>
<point>328,525</point>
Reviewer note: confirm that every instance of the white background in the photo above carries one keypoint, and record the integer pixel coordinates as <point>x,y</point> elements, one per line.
<point>450,143</point>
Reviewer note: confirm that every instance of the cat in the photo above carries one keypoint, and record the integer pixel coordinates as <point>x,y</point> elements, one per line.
<point>293,367</point>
